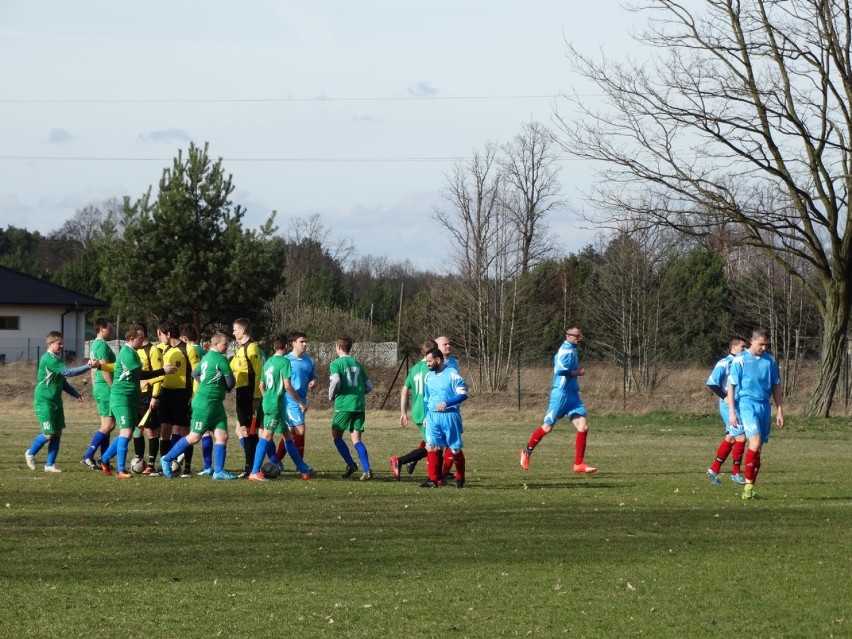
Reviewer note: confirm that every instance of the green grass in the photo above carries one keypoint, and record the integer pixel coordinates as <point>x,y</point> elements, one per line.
<point>647,547</point>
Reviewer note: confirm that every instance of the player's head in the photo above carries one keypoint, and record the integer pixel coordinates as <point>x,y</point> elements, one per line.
<point>189,333</point>
<point>242,328</point>
<point>219,342</point>
<point>434,359</point>
<point>573,334</point>
<point>134,335</point>
<point>759,341</point>
<point>169,328</point>
<point>298,342</point>
<point>103,327</point>
<point>53,337</point>
<point>427,346</point>
<point>344,343</point>
<point>443,342</point>
<point>737,345</point>
<point>279,344</point>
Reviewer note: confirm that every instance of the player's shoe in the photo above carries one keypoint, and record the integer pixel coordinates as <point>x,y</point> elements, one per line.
<point>88,462</point>
<point>738,479</point>
<point>309,474</point>
<point>410,466</point>
<point>584,468</point>
<point>525,459</point>
<point>460,483</point>
<point>714,477</point>
<point>166,468</point>
<point>430,484</point>
<point>366,475</point>
<point>207,472</point>
<point>395,467</point>
<point>30,459</point>
<point>257,477</point>
<point>351,468</point>
<point>281,466</point>
<point>223,475</point>
<point>244,474</point>
<point>748,491</point>
<point>186,474</point>
<point>149,469</point>
<point>51,469</point>
<point>106,468</point>
<point>123,474</point>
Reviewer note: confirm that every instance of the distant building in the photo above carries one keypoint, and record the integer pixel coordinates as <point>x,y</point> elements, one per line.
<point>30,308</point>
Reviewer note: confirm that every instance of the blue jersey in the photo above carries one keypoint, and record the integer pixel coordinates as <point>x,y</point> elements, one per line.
<point>451,362</point>
<point>566,359</point>
<point>301,374</point>
<point>718,380</point>
<point>754,377</point>
<point>442,387</point>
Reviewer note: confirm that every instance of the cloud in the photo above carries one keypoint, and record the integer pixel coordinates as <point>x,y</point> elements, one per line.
<point>422,90</point>
<point>165,135</point>
<point>59,136</point>
<point>364,118</point>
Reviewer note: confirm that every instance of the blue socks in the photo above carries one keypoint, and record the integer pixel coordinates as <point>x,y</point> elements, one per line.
<point>218,457</point>
<point>177,448</point>
<point>343,449</point>
<point>52,450</point>
<point>259,456</point>
<point>362,456</point>
<point>95,444</point>
<point>296,457</point>
<point>39,441</point>
<point>207,451</point>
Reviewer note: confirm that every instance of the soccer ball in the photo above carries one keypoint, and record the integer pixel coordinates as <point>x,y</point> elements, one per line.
<point>270,470</point>
<point>175,467</point>
<point>137,465</point>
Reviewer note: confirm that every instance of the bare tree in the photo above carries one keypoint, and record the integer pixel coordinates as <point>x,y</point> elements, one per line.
<point>529,167</point>
<point>742,116</point>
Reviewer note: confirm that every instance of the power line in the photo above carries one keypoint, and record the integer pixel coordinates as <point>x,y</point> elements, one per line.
<point>409,98</point>
<point>350,160</point>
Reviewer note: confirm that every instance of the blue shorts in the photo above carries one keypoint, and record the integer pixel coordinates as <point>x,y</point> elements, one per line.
<point>564,405</point>
<point>444,430</point>
<point>295,416</point>
<point>725,412</point>
<point>756,418</point>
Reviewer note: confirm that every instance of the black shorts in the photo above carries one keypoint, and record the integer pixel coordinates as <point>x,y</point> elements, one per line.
<point>245,407</point>
<point>154,418</point>
<point>174,406</point>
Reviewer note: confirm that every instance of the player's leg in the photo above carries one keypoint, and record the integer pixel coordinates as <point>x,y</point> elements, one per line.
<point>357,432</point>
<point>339,423</point>
<point>556,409</point>
<point>578,418</point>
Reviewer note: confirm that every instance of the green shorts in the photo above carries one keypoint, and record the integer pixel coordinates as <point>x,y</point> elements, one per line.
<point>276,424</point>
<point>50,418</point>
<point>100,392</point>
<point>208,419</point>
<point>125,416</point>
<point>348,420</point>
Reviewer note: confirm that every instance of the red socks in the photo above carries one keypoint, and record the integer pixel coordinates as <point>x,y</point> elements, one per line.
<point>433,464</point>
<point>580,447</point>
<point>299,440</point>
<point>737,457</point>
<point>722,454</point>
<point>536,437</point>
<point>750,465</point>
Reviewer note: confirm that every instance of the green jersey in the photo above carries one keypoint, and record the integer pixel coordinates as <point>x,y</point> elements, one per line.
<point>213,369</point>
<point>49,380</point>
<point>275,371</point>
<point>100,350</point>
<point>125,380</point>
<point>415,383</point>
<point>352,383</point>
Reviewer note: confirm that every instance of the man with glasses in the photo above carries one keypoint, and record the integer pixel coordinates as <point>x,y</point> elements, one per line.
<point>565,402</point>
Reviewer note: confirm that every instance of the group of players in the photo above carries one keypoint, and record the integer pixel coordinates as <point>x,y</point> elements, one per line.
<point>171,395</point>
<point>179,389</point>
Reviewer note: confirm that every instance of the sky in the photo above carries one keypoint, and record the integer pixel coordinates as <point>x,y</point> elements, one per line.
<point>356,111</point>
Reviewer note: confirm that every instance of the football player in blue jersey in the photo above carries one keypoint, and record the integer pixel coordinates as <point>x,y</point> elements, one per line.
<point>734,439</point>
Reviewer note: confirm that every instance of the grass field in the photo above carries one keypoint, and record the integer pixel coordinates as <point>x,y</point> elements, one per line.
<point>647,547</point>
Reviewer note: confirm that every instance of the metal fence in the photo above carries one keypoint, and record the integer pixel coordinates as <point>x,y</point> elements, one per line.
<point>606,387</point>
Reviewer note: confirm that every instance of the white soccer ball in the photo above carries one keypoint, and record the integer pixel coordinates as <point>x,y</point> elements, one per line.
<point>137,465</point>
<point>176,467</point>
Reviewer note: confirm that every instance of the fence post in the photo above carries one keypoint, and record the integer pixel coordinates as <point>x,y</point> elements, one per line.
<point>518,366</point>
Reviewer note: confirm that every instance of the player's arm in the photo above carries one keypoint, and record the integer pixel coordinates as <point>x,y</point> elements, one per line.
<point>729,400</point>
<point>254,368</point>
<point>368,386</point>
<point>403,406</point>
<point>71,390</point>
<point>288,388</point>
<point>333,383</point>
<point>778,398</point>
<point>228,376</point>
<point>77,370</point>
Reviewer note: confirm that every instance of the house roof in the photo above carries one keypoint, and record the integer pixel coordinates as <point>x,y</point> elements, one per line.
<point>19,289</point>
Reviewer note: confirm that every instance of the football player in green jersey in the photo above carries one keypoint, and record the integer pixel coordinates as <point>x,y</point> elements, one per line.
<point>347,386</point>
<point>413,386</point>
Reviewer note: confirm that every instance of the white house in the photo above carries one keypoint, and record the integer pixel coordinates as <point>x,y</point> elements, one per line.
<point>30,308</point>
